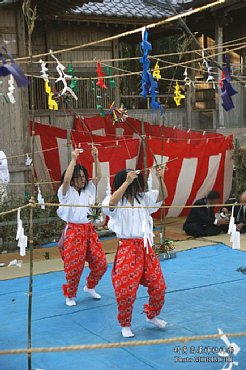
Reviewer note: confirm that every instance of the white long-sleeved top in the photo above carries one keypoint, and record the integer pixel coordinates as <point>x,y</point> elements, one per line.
<point>131,223</point>
<point>76,215</point>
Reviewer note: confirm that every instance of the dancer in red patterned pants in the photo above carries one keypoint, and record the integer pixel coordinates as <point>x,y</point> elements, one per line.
<point>82,244</point>
<point>135,261</point>
<point>80,238</point>
<point>133,266</point>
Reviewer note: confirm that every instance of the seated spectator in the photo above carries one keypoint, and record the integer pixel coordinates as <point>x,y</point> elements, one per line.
<point>239,212</point>
<point>201,221</point>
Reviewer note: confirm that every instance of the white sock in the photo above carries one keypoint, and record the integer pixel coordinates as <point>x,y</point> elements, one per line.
<point>127,332</point>
<point>92,292</point>
<point>157,322</point>
<point>70,302</point>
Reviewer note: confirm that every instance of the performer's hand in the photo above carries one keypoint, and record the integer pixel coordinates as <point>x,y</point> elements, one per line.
<point>131,176</point>
<point>225,210</point>
<point>222,222</point>
<point>94,152</point>
<point>240,226</point>
<point>160,170</point>
<point>75,154</point>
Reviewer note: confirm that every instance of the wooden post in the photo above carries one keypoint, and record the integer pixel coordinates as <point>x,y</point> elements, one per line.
<point>188,106</point>
<point>115,52</point>
<point>143,137</point>
<point>163,215</point>
<point>236,161</point>
<point>69,143</point>
<point>29,331</point>
<point>30,16</point>
<point>219,41</point>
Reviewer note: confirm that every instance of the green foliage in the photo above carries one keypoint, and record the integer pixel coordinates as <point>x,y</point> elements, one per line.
<point>240,169</point>
<point>166,247</point>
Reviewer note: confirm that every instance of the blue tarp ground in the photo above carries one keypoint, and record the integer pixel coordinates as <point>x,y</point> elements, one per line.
<point>205,292</point>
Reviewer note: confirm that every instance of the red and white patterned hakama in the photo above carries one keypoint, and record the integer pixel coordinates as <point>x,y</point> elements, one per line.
<point>81,244</point>
<point>134,266</point>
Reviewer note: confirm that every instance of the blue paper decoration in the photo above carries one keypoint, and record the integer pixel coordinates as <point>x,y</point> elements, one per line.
<point>149,85</point>
<point>227,91</point>
<point>13,69</point>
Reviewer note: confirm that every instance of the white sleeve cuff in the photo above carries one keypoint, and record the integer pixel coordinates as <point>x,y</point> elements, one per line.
<point>216,221</point>
<point>106,210</point>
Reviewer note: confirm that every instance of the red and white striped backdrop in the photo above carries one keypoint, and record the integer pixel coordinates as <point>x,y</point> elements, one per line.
<point>204,161</point>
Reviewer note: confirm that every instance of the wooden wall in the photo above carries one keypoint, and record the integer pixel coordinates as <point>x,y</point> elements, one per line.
<point>172,117</point>
<point>14,117</point>
<point>63,35</point>
<point>14,137</point>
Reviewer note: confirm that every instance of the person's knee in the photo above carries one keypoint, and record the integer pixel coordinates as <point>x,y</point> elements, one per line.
<point>193,230</point>
<point>104,266</point>
<point>213,231</point>
<point>162,285</point>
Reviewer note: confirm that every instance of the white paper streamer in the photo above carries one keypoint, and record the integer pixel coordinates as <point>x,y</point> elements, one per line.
<point>210,76</point>
<point>44,70</point>
<point>40,198</point>
<point>22,239</point>
<point>187,79</point>
<point>209,69</point>
<point>11,88</point>
<point>62,77</point>
<point>147,230</point>
<point>17,263</point>
<point>235,349</point>
<point>4,172</point>
<point>233,346</point>
<point>4,177</point>
<point>234,234</point>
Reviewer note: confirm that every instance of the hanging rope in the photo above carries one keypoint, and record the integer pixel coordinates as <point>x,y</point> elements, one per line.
<point>132,32</point>
<point>134,343</point>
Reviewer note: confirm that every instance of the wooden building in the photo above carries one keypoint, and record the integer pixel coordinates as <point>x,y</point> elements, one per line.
<point>94,22</point>
<point>217,27</point>
<point>58,27</point>
<point>79,22</point>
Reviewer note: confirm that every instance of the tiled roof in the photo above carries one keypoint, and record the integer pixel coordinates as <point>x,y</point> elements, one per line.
<point>50,7</point>
<point>126,8</point>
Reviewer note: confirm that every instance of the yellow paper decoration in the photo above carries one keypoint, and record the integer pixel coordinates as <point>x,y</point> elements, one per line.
<point>51,102</point>
<point>177,94</point>
<point>156,72</point>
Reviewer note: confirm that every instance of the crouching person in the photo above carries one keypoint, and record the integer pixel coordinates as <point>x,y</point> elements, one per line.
<point>201,220</point>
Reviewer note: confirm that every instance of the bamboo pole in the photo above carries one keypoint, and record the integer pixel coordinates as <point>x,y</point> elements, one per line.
<point>69,129</point>
<point>30,17</point>
<point>143,140</point>
<point>163,225</point>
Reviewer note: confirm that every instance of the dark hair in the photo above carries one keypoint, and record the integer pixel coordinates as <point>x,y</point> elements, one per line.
<point>76,173</point>
<point>135,188</point>
<point>212,194</point>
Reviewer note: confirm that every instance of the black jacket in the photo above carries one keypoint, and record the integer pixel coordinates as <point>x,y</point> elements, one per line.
<point>203,216</point>
<point>240,215</point>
